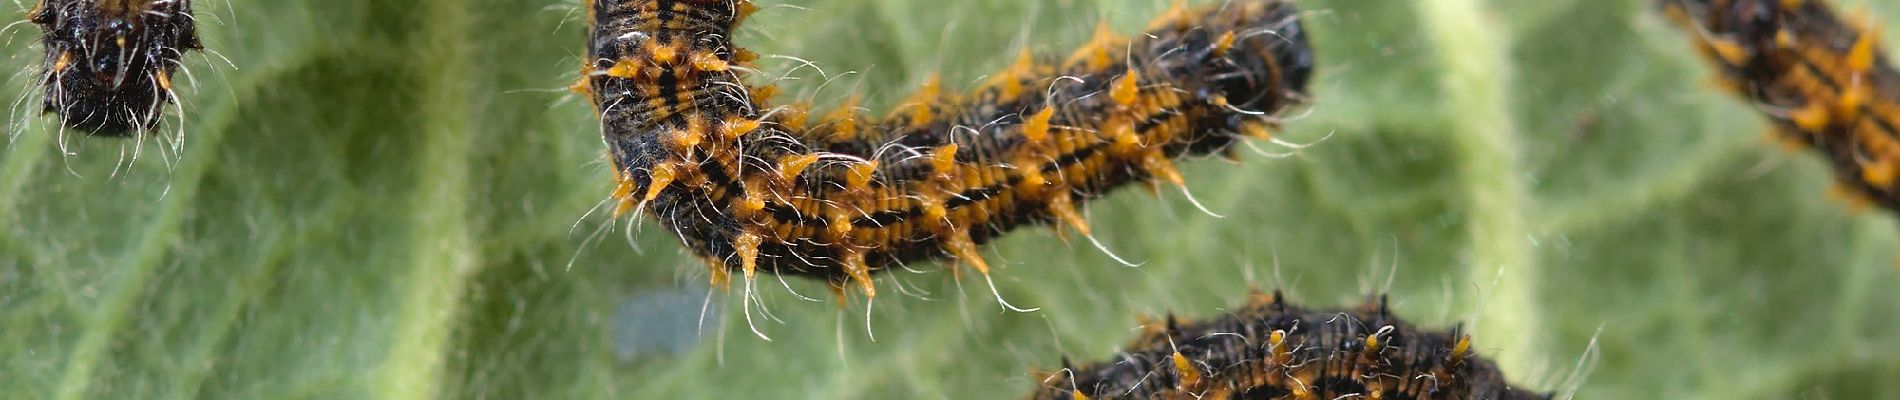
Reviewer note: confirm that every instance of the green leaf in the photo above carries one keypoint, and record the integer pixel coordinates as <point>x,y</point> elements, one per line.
<point>387,199</point>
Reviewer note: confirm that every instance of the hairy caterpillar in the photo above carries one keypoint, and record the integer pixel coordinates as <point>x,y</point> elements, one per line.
<point>750,186</point>
<point>109,63</point>
<point>1822,81</point>
<point>1269,349</point>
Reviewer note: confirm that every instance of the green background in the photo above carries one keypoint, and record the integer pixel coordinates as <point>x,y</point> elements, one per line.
<point>389,199</point>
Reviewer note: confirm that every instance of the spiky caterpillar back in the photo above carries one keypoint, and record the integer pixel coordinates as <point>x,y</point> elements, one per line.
<point>109,63</point>
<point>1823,81</point>
<point>1273,350</point>
<point>749,186</point>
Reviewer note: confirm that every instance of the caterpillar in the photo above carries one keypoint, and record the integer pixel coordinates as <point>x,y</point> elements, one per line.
<point>109,63</point>
<point>1269,349</point>
<point>751,186</point>
<point>1822,81</point>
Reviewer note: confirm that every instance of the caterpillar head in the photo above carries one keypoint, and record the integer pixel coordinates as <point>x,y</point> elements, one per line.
<point>108,64</point>
<point>1253,59</point>
<point>1250,82</point>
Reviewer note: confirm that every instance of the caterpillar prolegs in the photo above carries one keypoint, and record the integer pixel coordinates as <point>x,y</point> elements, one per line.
<point>752,186</point>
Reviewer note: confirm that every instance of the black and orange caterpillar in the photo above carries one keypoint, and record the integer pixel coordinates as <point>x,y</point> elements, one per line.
<point>1270,349</point>
<point>1822,80</point>
<point>751,186</point>
<point>109,63</point>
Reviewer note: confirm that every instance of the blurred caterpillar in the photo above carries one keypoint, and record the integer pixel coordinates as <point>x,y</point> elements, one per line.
<point>1822,81</point>
<point>750,186</point>
<point>109,63</point>
<point>1269,349</point>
